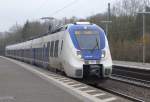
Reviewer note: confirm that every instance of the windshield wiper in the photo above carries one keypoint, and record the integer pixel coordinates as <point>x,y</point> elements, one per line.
<point>97,45</point>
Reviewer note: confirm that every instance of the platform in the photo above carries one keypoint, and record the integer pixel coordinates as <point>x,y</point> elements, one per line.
<point>20,85</point>
<point>129,64</point>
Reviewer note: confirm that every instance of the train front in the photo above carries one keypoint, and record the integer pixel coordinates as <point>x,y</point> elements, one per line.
<point>93,58</point>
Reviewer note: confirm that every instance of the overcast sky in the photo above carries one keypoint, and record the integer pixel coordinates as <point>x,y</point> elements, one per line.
<point>18,11</point>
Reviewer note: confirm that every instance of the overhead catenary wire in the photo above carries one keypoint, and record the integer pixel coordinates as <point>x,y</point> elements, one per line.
<point>61,9</point>
<point>36,10</point>
<point>43,3</point>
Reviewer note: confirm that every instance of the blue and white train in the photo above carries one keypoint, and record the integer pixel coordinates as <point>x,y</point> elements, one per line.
<point>80,50</point>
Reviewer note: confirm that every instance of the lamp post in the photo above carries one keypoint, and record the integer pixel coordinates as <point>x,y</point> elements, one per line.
<point>106,26</point>
<point>144,46</point>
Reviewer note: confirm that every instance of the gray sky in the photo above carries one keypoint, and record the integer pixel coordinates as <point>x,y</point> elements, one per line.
<point>12,11</point>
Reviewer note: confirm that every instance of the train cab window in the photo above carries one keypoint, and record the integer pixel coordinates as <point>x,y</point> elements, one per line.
<point>56,48</point>
<point>52,49</point>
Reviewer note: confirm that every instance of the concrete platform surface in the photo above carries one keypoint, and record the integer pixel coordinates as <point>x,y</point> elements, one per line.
<point>20,85</point>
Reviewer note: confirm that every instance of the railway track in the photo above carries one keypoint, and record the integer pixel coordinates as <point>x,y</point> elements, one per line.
<point>123,79</point>
<point>134,99</point>
<point>136,76</point>
<point>117,93</point>
<point>132,81</point>
<point>131,76</point>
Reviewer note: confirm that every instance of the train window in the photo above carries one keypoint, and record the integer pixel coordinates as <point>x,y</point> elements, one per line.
<point>61,46</point>
<point>44,52</point>
<point>52,47</point>
<point>49,48</point>
<point>47,51</point>
<point>56,48</point>
<point>36,53</point>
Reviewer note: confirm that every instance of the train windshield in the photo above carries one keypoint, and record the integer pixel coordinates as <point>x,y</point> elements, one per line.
<point>88,39</point>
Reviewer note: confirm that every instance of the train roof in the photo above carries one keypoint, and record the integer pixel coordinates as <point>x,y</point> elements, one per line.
<point>61,28</point>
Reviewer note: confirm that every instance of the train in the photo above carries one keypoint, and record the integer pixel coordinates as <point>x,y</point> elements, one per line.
<point>79,49</point>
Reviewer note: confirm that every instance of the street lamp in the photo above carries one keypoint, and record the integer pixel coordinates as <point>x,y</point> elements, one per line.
<point>144,46</point>
<point>106,26</point>
<point>107,22</point>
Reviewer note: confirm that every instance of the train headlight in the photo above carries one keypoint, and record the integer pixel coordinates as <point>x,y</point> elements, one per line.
<point>103,54</point>
<point>79,54</point>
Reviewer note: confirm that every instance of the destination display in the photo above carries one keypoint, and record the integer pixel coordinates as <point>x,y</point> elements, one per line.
<point>86,32</point>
